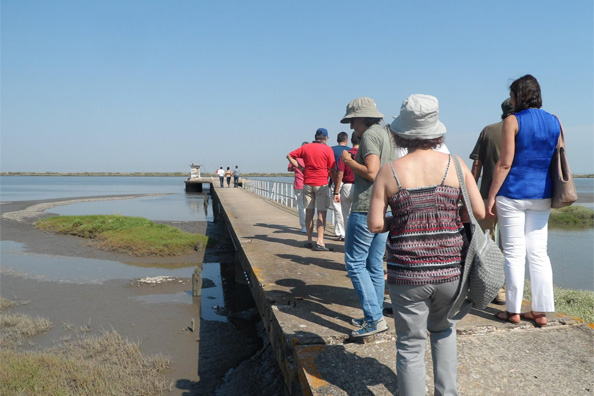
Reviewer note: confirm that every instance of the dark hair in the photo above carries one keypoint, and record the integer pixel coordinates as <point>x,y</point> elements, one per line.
<point>355,139</point>
<point>507,114</point>
<point>320,136</point>
<point>342,137</point>
<point>369,121</point>
<point>526,91</point>
<point>423,144</point>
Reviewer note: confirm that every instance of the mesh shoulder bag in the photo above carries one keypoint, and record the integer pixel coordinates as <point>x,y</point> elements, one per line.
<point>483,273</point>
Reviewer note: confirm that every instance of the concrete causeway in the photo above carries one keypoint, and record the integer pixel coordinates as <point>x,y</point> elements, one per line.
<point>306,301</point>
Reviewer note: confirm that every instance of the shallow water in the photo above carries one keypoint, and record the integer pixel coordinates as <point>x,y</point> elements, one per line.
<point>571,252</point>
<point>172,207</point>
<point>75,269</point>
<point>27,188</point>
<point>572,258</point>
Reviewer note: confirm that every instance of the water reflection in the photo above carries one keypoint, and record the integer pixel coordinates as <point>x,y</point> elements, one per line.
<point>76,269</point>
<point>184,297</point>
<point>221,294</point>
<point>212,298</point>
<point>170,207</point>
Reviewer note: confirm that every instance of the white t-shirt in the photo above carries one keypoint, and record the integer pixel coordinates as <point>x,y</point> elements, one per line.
<point>221,173</point>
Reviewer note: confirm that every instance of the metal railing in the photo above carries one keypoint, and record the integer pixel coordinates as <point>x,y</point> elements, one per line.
<point>280,192</point>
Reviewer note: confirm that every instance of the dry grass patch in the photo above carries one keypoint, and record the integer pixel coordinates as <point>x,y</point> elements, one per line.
<point>104,365</point>
<point>90,365</point>
<point>15,328</point>
<point>5,303</point>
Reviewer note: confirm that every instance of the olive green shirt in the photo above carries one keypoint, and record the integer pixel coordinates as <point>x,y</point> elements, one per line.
<point>377,140</point>
<point>487,150</point>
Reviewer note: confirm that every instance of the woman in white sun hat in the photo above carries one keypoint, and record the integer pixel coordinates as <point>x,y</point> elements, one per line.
<point>426,243</point>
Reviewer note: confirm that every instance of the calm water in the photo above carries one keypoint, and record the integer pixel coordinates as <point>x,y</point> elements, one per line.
<point>571,252</point>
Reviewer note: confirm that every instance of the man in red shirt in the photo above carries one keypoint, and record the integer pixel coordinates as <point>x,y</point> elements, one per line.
<point>318,160</point>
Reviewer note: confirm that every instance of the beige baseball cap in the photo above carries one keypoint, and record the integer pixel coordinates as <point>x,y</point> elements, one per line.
<point>361,107</point>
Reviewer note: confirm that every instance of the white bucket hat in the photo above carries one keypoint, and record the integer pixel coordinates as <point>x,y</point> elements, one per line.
<point>419,118</point>
<point>361,107</point>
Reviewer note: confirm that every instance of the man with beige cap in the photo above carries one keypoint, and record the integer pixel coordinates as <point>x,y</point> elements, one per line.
<point>364,250</point>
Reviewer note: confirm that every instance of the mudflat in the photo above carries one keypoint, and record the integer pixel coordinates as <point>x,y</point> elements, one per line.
<point>161,328</point>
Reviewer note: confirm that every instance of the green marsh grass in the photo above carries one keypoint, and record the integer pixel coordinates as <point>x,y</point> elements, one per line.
<point>572,217</point>
<point>576,303</point>
<point>135,236</point>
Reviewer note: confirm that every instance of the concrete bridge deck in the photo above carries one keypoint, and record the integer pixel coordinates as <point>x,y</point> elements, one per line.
<point>307,301</point>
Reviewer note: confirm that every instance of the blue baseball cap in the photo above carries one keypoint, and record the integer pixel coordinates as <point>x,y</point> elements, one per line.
<point>322,132</point>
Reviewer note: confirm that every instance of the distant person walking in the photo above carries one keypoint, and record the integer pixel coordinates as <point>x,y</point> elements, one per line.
<point>364,250</point>
<point>236,177</point>
<point>318,160</point>
<point>298,188</point>
<point>520,195</point>
<point>228,175</point>
<point>342,139</point>
<point>343,190</point>
<point>485,155</point>
<point>426,244</point>
<point>221,174</point>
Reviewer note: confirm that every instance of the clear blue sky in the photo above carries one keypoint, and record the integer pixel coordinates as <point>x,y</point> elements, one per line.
<point>139,86</point>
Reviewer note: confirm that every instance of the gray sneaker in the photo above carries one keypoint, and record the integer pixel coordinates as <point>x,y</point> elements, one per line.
<point>368,329</point>
<point>358,322</point>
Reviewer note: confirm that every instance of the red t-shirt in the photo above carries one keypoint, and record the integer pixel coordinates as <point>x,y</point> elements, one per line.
<point>318,158</point>
<point>348,176</point>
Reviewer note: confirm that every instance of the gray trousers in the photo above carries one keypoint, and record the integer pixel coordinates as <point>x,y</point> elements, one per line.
<point>418,309</point>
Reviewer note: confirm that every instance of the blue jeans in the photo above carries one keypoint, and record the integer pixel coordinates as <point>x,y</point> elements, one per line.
<point>364,258</point>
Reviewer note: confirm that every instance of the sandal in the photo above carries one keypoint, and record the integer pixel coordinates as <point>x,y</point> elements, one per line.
<point>538,319</point>
<point>507,316</point>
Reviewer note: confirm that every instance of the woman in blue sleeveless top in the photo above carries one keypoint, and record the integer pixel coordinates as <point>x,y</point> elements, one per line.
<point>521,194</point>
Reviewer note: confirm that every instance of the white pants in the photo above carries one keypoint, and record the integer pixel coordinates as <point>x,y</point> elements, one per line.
<point>523,226</point>
<point>346,200</point>
<point>338,218</point>
<point>300,207</point>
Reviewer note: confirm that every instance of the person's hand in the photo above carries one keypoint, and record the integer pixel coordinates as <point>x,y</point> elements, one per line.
<point>490,207</point>
<point>346,156</point>
<point>337,198</point>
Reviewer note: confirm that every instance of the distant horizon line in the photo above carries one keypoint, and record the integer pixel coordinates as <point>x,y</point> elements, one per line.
<point>162,174</point>
<point>177,174</point>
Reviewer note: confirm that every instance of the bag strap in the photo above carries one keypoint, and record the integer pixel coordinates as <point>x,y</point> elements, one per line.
<point>466,304</point>
<point>561,140</point>
<point>463,188</point>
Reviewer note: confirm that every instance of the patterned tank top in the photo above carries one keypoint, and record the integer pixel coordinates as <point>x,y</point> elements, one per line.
<point>426,243</point>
